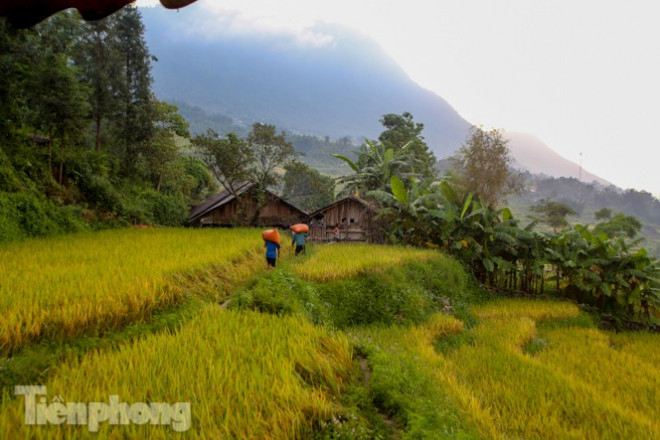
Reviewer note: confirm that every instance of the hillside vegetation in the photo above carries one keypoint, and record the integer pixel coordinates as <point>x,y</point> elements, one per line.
<point>587,198</point>
<point>348,341</point>
<point>391,342</point>
<point>84,143</point>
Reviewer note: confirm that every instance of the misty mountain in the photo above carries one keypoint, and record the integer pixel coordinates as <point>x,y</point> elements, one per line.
<point>537,158</point>
<point>338,89</point>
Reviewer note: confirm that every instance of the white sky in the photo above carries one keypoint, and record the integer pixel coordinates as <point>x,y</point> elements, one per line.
<point>581,75</point>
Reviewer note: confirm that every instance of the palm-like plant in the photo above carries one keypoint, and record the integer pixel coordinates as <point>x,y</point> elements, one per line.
<point>375,166</point>
<point>406,210</point>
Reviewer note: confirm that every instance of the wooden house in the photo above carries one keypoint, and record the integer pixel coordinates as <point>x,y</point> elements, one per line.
<point>354,218</point>
<point>247,208</point>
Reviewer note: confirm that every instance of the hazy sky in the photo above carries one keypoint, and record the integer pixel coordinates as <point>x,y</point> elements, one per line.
<point>581,75</point>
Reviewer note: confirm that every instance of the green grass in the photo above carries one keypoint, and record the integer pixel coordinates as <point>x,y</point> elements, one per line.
<point>403,291</point>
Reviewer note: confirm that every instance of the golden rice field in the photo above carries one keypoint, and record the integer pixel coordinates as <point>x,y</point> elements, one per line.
<point>249,375</point>
<point>346,260</point>
<point>246,376</point>
<point>583,384</point>
<point>65,285</point>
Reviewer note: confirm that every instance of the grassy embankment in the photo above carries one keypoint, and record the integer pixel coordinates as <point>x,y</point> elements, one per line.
<point>511,368</point>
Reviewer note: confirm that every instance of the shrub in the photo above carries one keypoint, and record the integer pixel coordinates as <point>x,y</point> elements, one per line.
<point>404,294</point>
<point>163,209</point>
<point>280,293</point>
<point>27,214</point>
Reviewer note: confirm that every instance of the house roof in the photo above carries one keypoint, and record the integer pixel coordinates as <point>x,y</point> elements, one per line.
<point>340,201</point>
<point>217,200</point>
<point>225,196</point>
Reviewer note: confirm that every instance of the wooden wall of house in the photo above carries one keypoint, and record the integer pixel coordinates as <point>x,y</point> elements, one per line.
<point>354,219</point>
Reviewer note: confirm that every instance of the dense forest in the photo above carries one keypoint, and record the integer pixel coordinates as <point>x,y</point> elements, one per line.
<point>84,143</point>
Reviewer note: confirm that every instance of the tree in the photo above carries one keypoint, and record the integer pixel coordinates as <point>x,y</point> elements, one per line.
<point>553,213</point>
<point>160,151</point>
<point>407,211</point>
<point>62,107</point>
<point>99,61</point>
<point>482,166</point>
<point>620,225</point>
<point>401,131</point>
<point>228,159</point>
<point>306,188</point>
<point>270,151</point>
<point>603,214</point>
<point>166,117</point>
<point>197,182</point>
<point>134,106</point>
<point>374,168</point>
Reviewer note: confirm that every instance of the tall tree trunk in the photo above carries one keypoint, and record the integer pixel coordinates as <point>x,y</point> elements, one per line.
<point>98,133</point>
<point>61,160</point>
<point>50,150</point>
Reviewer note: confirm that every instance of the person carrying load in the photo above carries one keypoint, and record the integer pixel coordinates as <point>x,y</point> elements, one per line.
<point>272,244</point>
<point>300,232</point>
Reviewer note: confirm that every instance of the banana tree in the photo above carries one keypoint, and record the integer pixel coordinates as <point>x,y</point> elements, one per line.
<point>405,210</point>
<point>375,166</point>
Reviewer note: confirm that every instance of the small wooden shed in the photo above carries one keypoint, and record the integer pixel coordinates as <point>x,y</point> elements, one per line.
<point>247,208</point>
<point>354,217</point>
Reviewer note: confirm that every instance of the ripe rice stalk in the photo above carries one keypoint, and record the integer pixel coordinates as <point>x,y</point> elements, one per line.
<point>246,375</point>
<point>63,286</point>
<point>334,262</point>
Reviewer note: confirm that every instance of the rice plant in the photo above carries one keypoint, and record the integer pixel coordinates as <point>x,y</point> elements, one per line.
<point>580,383</point>
<point>246,375</point>
<point>68,285</point>
<point>346,260</point>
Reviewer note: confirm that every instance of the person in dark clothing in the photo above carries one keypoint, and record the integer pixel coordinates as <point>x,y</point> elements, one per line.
<point>272,253</point>
<point>299,241</point>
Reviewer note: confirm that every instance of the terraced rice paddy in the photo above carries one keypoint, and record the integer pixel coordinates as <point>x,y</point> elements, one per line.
<point>515,369</point>
<point>577,383</point>
<point>68,285</point>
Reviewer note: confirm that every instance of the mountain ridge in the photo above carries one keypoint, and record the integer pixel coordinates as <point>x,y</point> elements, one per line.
<point>337,90</point>
<point>538,158</point>
<point>340,88</point>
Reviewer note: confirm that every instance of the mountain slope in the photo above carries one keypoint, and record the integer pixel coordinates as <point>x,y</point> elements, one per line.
<point>536,157</point>
<point>336,89</point>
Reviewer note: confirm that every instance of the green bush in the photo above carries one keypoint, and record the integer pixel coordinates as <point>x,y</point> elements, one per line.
<point>27,214</point>
<point>373,298</point>
<point>152,207</point>
<point>9,181</point>
<point>403,295</point>
<point>279,293</point>
<point>165,210</point>
<point>89,171</point>
<point>10,222</point>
